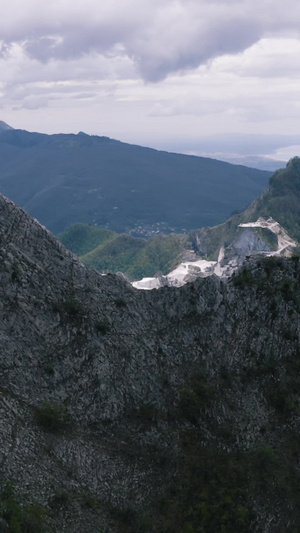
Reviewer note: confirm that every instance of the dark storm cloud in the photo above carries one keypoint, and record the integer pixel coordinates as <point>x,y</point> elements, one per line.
<point>215,40</point>
<point>160,37</point>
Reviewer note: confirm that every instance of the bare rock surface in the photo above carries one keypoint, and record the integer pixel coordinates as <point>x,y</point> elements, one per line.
<point>98,397</point>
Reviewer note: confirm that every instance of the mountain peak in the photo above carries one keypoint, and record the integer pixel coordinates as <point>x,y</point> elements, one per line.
<point>294,165</point>
<point>4,126</point>
<point>294,161</point>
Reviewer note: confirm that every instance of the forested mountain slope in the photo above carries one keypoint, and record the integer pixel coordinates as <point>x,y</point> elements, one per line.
<point>279,200</point>
<point>64,179</point>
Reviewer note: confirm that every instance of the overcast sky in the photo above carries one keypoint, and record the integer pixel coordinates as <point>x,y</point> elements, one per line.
<point>151,72</point>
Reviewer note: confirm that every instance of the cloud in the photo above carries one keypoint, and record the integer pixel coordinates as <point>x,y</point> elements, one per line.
<point>139,70</point>
<point>160,37</point>
<point>268,58</point>
<point>34,103</point>
<point>285,153</point>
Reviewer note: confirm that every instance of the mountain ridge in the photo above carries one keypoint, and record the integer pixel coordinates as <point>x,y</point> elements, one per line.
<point>132,411</point>
<point>4,126</point>
<point>65,178</point>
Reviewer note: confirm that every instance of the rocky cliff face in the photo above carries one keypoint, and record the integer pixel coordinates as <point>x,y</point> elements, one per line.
<point>124,410</point>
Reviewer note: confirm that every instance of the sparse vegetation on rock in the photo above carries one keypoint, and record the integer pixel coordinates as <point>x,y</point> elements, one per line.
<point>185,412</point>
<point>52,417</point>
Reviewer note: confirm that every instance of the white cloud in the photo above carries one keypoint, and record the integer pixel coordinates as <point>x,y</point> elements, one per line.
<point>285,153</point>
<point>268,58</point>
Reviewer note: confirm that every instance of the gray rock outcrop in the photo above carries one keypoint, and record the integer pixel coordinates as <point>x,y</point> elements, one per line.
<point>103,388</point>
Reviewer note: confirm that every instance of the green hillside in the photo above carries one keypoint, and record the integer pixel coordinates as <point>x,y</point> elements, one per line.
<point>65,179</point>
<point>280,200</point>
<point>112,252</point>
<point>118,254</point>
<point>82,238</point>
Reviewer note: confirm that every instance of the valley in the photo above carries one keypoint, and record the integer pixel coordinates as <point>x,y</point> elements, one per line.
<point>168,260</point>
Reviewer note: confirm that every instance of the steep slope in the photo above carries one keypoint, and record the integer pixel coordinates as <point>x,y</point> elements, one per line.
<point>174,410</point>
<point>65,179</point>
<point>280,200</point>
<point>4,126</point>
